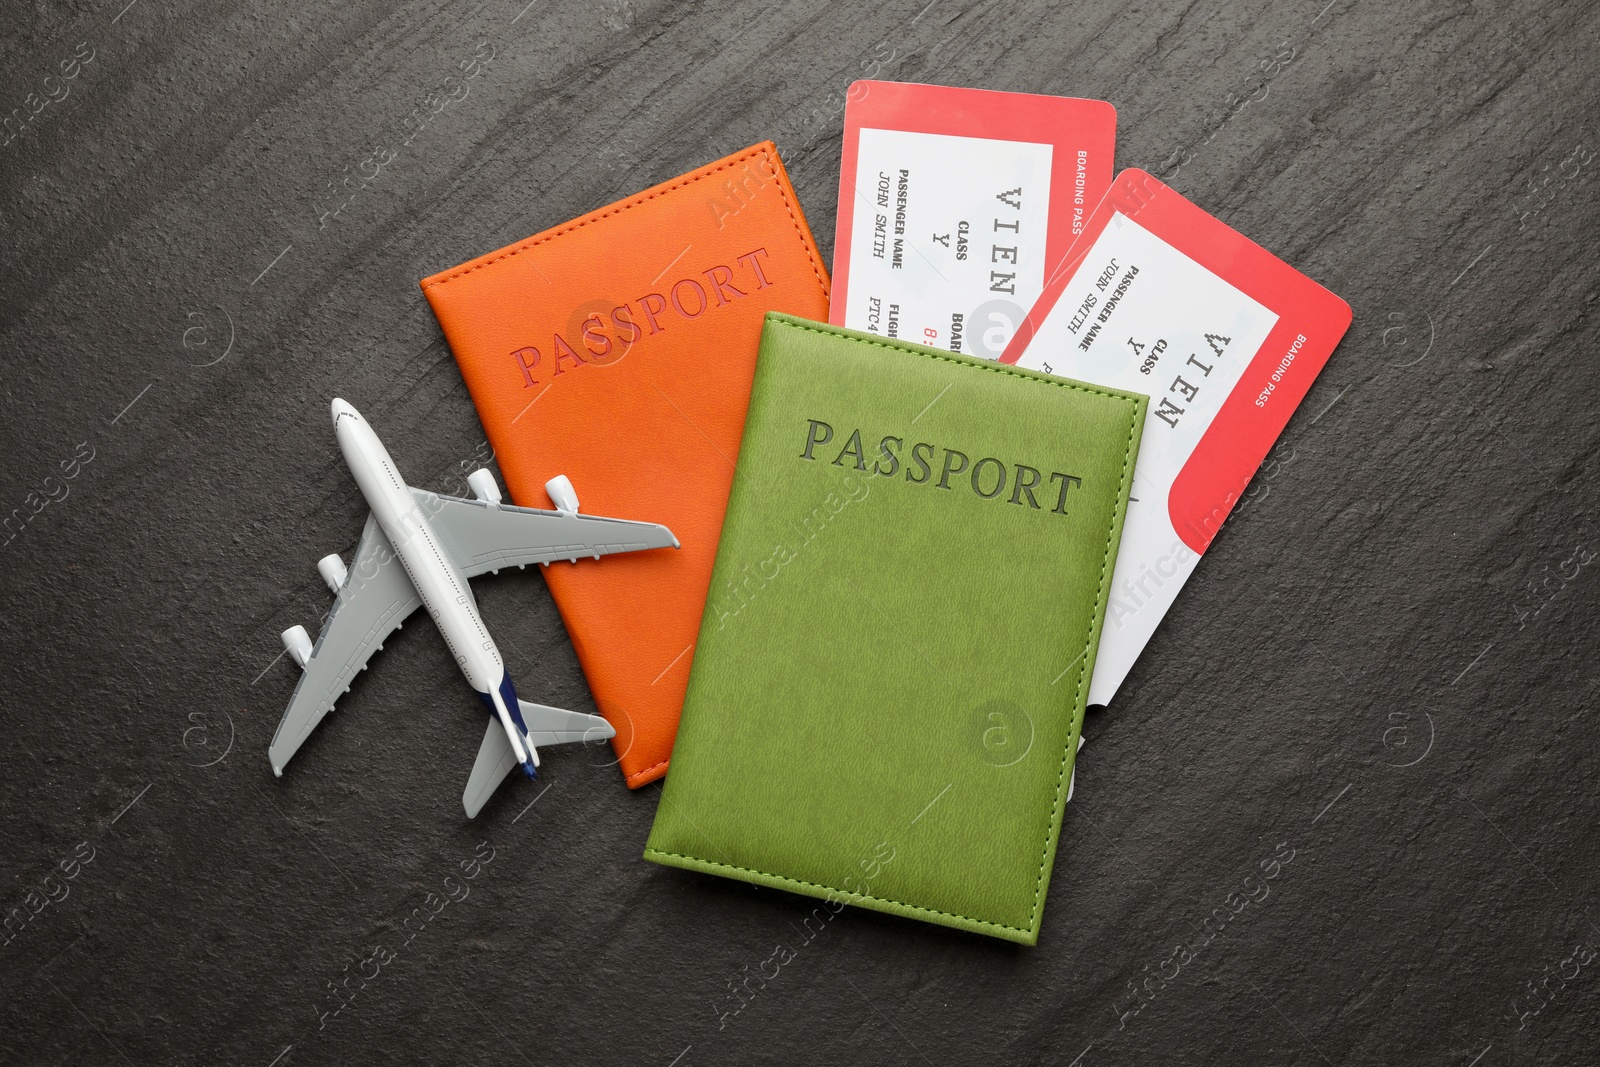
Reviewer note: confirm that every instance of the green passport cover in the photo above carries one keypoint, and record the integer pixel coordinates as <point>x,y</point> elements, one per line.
<point>889,679</point>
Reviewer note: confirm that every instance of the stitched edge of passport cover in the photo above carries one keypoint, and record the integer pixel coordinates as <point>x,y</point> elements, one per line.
<point>764,149</point>
<point>1024,934</point>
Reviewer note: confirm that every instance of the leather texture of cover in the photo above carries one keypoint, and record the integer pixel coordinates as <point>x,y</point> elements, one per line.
<point>618,349</point>
<point>891,672</point>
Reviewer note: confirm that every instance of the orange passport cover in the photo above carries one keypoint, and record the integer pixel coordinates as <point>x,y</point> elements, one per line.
<point>618,349</point>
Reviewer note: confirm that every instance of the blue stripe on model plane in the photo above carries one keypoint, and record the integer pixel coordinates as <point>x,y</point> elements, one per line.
<point>508,693</point>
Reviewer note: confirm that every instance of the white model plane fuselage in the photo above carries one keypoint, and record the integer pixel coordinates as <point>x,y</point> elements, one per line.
<point>439,583</point>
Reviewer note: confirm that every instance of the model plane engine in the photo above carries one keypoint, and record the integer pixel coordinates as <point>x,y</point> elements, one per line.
<point>333,571</point>
<point>298,642</point>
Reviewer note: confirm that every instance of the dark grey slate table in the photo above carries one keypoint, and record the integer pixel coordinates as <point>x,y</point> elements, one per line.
<point>1378,687</point>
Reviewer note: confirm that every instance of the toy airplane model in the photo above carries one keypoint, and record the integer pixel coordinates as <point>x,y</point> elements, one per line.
<point>418,550</point>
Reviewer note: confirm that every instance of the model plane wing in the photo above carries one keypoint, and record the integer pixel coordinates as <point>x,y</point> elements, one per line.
<point>546,726</point>
<point>488,536</point>
<point>374,600</point>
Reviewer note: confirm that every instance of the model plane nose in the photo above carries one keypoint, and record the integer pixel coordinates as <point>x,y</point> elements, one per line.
<point>342,408</point>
